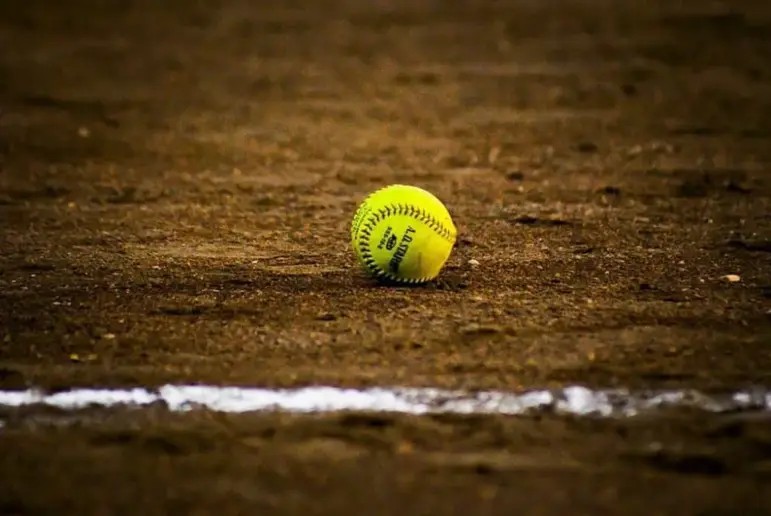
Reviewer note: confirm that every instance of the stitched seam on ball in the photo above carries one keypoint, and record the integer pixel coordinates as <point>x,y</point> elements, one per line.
<point>366,227</point>
<point>362,208</point>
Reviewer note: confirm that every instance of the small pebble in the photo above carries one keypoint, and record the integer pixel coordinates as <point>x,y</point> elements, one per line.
<point>492,156</point>
<point>83,132</point>
<point>662,147</point>
<point>108,336</point>
<point>473,262</point>
<point>732,278</point>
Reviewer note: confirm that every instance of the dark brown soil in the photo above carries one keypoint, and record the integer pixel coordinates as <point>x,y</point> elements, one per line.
<point>177,181</point>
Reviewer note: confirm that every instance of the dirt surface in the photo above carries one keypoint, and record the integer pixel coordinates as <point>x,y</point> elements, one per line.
<point>177,181</point>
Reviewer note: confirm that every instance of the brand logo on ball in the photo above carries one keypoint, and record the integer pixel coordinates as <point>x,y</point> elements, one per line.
<point>404,246</point>
<point>385,240</point>
<point>391,243</point>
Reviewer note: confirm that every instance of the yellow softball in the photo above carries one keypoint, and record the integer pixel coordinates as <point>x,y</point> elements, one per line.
<point>402,234</point>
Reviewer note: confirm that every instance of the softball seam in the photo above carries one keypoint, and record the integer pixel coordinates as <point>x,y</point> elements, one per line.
<point>374,217</point>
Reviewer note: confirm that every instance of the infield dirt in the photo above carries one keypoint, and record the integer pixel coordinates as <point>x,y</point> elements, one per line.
<point>176,189</point>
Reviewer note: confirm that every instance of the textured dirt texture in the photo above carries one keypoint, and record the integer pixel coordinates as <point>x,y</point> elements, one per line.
<point>177,181</point>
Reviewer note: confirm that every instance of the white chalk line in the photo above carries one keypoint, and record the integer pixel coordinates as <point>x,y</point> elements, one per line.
<point>575,400</point>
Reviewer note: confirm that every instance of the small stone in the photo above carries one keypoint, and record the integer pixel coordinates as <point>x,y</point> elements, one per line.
<point>84,132</point>
<point>405,448</point>
<point>108,336</point>
<point>492,156</point>
<point>474,263</point>
<point>662,147</point>
<point>732,278</point>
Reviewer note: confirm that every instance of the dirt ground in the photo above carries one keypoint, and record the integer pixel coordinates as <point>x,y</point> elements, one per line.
<point>177,181</point>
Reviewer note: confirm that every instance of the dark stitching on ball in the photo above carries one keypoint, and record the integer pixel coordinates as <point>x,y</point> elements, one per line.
<point>374,217</point>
